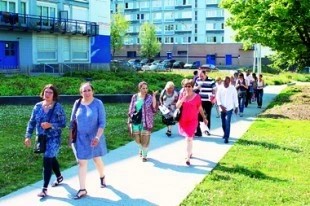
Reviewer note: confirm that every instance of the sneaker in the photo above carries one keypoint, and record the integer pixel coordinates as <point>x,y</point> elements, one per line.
<point>226,141</point>
<point>207,133</point>
<point>241,114</point>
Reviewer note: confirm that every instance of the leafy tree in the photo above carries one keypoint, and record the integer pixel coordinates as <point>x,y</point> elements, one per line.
<point>119,26</point>
<point>150,45</point>
<point>282,25</point>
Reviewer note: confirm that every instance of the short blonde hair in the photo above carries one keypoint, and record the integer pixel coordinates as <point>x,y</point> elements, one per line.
<point>188,81</point>
<point>169,84</point>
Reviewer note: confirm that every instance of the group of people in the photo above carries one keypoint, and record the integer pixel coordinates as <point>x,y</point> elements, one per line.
<point>48,118</point>
<point>195,101</point>
<point>249,88</point>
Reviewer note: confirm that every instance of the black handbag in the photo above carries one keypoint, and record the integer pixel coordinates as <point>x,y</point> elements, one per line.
<point>137,117</point>
<point>41,139</point>
<point>177,114</point>
<point>74,123</point>
<point>40,144</point>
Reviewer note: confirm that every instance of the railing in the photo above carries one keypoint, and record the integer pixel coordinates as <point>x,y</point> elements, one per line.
<point>23,22</point>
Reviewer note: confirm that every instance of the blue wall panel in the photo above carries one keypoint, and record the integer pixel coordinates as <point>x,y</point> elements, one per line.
<point>100,49</point>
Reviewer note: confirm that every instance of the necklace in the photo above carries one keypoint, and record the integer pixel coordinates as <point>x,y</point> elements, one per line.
<point>46,105</point>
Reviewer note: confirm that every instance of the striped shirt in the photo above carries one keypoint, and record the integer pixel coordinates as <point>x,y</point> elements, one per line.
<point>206,89</point>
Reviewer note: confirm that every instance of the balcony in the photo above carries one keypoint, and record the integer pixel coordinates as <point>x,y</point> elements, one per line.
<point>31,23</point>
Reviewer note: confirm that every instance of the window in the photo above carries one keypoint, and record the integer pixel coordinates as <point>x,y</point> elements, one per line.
<point>169,40</point>
<point>182,52</point>
<point>138,16</point>
<point>47,47</point>
<point>159,39</point>
<point>157,16</point>
<point>80,48</point>
<point>211,39</point>
<point>196,39</point>
<point>215,13</point>
<point>187,39</point>
<point>9,6</point>
<point>187,14</point>
<point>168,15</point>
<point>196,15</point>
<point>9,49</point>
<point>126,5</point>
<point>169,27</point>
<point>184,2</point>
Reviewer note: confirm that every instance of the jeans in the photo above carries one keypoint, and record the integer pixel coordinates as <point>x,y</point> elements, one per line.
<point>260,93</point>
<point>241,101</point>
<point>226,119</point>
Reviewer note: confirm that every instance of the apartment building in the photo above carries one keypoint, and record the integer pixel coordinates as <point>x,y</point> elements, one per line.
<point>54,35</point>
<point>189,30</point>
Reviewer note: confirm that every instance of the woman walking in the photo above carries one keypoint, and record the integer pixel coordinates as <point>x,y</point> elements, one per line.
<point>168,98</point>
<point>241,87</point>
<point>48,118</point>
<point>90,116</point>
<point>141,111</point>
<point>260,90</point>
<point>191,106</point>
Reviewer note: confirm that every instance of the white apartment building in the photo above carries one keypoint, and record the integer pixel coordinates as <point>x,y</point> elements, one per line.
<point>190,30</point>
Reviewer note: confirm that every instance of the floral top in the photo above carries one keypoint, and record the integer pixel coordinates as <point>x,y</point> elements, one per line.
<point>147,111</point>
<point>58,121</point>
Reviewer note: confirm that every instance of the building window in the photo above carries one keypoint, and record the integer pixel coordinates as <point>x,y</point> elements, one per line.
<point>195,39</point>
<point>169,40</point>
<point>126,5</point>
<point>142,16</point>
<point>169,27</point>
<point>9,6</point>
<point>182,52</point>
<point>138,16</point>
<point>184,2</point>
<point>211,39</point>
<point>9,49</point>
<point>159,39</point>
<point>196,15</point>
<point>47,47</point>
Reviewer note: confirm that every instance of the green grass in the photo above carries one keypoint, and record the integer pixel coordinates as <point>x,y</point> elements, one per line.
<point>21,167</point>
<point>269,165</point>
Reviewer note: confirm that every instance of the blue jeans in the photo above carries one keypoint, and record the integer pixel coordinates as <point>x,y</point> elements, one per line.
<point>241,101</point>
<point>226,119</point>
<point>260,93</point>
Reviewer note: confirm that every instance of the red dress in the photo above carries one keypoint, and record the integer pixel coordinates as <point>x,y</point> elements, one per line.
<point>189,117</point>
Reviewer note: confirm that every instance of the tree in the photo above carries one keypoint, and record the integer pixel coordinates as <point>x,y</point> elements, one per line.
<point>119,26</point>
<point>282,25</point>
<point>150,46</point>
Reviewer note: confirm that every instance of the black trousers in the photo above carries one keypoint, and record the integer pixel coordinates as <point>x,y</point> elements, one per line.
<point>207,107</point>
<point>49,165</point>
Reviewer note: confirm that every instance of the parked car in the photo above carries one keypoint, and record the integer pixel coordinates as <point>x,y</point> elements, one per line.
<point>166,65</point>
<point>150,67</point>
<point>209,67</point>
<point>178,64</point>
<point>121,65</point>
<point>135,63</point>
<point>146,61</point>
<point>194,65</point>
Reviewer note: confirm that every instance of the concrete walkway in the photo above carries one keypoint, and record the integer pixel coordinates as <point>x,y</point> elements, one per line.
<point>164,180</point>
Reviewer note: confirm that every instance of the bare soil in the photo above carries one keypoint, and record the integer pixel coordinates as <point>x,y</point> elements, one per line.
<point>298,108</point>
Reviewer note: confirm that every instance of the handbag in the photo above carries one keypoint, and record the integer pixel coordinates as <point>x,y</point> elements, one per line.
<point>41,139</point>
<point>74,123</point>
<point>177,114</point>
<point>40,144</point>
<point>137,117</point>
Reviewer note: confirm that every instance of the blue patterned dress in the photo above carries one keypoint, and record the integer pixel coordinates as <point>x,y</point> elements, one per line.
<point>58,121</point>
<point>89,118</point>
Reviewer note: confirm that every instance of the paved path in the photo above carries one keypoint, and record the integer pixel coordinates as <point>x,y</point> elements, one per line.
<point>163,180</point>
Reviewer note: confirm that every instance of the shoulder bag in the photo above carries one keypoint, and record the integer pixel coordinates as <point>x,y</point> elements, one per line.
<point>41,139</point>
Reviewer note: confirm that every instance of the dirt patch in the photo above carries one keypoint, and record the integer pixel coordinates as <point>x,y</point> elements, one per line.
<point>297,108</point>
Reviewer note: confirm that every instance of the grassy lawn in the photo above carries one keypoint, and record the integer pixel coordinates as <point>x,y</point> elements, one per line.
<point>21,167</point>
<point>269,165</point>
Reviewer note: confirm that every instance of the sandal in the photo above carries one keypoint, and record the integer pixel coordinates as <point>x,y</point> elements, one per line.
<point>43,193</point>
<point>78,195</point>
<point>102,182</point>
<point>188,162</point>
<point>58,181</point>
<point>168,133</point>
